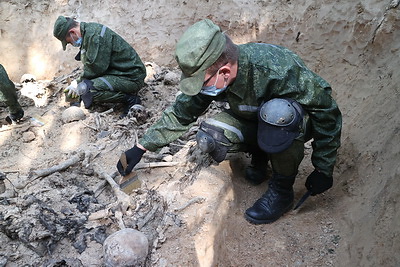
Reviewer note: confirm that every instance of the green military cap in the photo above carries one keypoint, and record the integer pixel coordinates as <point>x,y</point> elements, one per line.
<point>60,30</point>
<point>198,48</point>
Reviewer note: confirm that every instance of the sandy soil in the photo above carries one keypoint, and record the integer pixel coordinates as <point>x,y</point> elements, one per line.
<point>198,207</point>
<point>192,214</point>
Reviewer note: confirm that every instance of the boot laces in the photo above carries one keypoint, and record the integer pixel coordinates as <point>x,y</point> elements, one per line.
<point>268,198</point>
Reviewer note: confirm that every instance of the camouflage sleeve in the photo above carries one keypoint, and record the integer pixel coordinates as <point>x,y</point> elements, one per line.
<point>175,121</point>
<point>326,125</point>
<point>314,94</point>
<point>325,119</point>
<point>97,56</point>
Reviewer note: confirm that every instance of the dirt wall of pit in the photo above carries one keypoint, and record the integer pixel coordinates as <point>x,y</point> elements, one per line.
<point>354,45</point>
<point>153,27</point>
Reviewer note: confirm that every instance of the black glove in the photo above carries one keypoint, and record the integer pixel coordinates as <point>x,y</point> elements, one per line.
<point>317,182</point>
<point>133,156</point>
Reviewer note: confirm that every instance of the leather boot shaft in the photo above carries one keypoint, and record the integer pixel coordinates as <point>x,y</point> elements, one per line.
<point>256,173</point>
<point>129,101</point>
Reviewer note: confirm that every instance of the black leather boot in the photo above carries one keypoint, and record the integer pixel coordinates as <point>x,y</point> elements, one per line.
<point>129,101</point>
<point>15,117</point>
<point>275,202</point>
<point>256,173</point>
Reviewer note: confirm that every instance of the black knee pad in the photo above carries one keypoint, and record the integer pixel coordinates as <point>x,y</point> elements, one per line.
<point>212,140</point>
<point>279,123</point>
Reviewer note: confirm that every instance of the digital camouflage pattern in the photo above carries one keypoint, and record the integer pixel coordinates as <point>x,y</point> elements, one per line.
<point>110,62</point>
<point>8,93</point>
<point>265,71</point>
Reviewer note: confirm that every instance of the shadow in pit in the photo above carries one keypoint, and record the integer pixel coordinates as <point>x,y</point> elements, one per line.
<point>233,241</point>
<point>240,243</point>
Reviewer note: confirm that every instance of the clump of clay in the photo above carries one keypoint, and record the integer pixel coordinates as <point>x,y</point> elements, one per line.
<point>28,137</point>
<point>73,114</point>
<point>171,78</point>
<point>153,72</point>
<point>127,247</point>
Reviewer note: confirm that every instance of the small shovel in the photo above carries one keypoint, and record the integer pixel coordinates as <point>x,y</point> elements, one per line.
<point>130,181</point>
<point>302,199</point>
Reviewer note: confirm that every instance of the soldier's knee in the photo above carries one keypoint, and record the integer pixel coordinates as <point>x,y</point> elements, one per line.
<point>211,139</point>
<point>279,123</point>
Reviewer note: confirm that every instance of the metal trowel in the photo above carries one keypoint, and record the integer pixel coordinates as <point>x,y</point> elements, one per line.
<point>303,198</point>
<point>129,182</point>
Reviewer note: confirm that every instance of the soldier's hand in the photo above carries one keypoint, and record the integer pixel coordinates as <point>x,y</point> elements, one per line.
<point>317,182</point>
<point>129,159</point>
<point>71,90</point>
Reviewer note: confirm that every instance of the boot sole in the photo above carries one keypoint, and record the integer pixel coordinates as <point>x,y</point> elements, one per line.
<point>266,221</point>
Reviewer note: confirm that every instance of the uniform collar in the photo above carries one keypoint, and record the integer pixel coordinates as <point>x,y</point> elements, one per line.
<point>83,28</point>
<point>240,84</point>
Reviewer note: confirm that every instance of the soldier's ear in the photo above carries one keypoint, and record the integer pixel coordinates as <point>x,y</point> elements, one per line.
<point>226,71</point>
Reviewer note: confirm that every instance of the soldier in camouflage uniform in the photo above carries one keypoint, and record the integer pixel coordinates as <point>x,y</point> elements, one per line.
<point>9,96</point>
<point>112,70</point>
<point>275,105</point>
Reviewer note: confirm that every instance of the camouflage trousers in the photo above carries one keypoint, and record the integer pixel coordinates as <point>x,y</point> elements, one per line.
<point>113,89</point>
<point>8,94</point>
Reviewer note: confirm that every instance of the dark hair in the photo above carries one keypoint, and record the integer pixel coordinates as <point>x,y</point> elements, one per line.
<point>229,55</point>
<point>73,22</point>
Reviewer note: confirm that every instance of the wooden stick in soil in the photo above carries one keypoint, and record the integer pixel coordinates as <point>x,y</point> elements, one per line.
<point>156,165</point>
<point>59,167</point>
<point>32,176</point>
<point>124,200</point>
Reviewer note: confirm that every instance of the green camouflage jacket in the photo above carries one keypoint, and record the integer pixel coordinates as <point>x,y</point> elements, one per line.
<point>8,93</point>
<point>104,52</point>
<point>265,72</point>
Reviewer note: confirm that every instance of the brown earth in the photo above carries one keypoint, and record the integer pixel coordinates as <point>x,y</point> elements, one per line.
<point>192,214</point>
